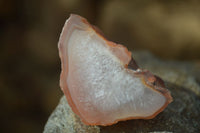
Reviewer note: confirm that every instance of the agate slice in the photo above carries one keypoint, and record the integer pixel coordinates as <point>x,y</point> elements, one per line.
<point>102,82</point>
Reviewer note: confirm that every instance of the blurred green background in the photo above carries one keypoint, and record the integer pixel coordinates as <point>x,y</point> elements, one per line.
<point>30,29</point>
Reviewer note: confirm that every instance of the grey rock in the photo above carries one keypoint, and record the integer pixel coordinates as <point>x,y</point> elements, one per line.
<point>63,120</point>
<point>181,116</point>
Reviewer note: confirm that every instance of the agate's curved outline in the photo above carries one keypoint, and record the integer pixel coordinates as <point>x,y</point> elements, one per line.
<point>102,83</point>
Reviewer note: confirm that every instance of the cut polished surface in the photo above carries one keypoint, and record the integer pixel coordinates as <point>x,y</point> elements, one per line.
<point>97,82</point>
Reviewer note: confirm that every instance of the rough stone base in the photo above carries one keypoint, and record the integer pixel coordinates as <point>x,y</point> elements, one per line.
<point>181,116</point>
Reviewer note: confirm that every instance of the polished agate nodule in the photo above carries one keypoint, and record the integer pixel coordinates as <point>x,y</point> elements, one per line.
<point>102,82</point>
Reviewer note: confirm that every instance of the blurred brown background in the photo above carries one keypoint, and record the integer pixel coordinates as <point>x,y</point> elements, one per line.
<point>29,32</point>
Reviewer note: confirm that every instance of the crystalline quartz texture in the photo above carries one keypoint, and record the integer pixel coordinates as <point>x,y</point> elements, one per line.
<point>101,88</point>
